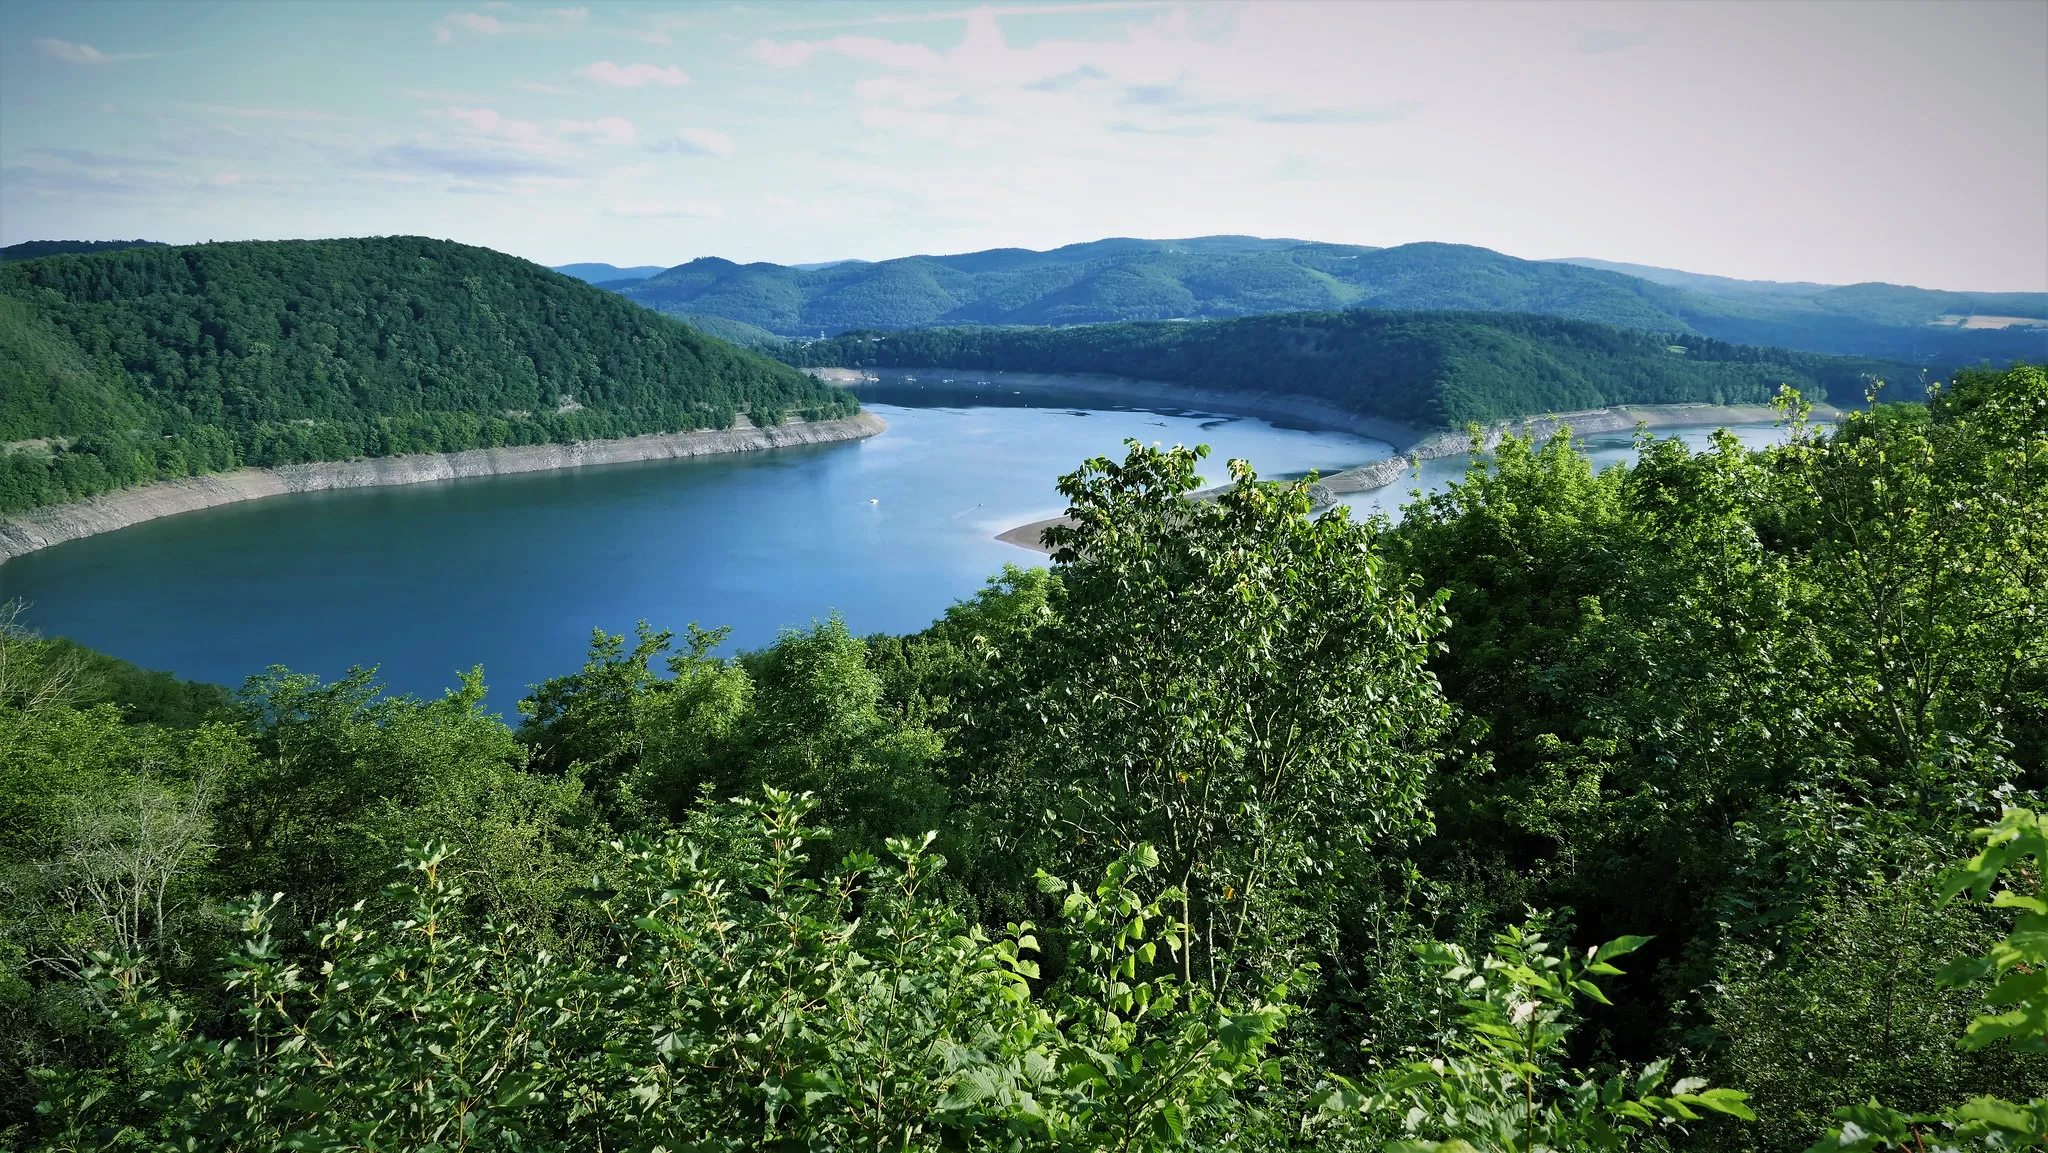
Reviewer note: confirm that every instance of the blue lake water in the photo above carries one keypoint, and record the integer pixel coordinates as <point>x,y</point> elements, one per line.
<point>513,572</point>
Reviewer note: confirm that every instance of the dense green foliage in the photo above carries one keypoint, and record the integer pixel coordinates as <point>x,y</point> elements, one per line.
<point>736,331</point>
<point>1224,276</point>
<point>150,363</point>
<point>31,249</point>
<point>1690,805</point>
<point>1432,368</point>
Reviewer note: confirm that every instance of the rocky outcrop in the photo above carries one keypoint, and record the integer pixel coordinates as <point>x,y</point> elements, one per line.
<point>25,532</point>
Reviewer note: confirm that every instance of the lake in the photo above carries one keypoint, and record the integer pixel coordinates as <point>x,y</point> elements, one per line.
<point>513,572</point>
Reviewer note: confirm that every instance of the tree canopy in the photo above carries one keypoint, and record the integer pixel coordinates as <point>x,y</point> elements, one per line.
<point>122,367</point>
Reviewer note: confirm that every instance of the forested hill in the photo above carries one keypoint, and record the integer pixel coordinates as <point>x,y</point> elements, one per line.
<point>31,249</point>
<point>123,367</point>
<point>1432,368</point>
<point>1226,276</point>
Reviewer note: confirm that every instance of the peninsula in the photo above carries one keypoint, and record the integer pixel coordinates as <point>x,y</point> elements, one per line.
<point>120,369</point>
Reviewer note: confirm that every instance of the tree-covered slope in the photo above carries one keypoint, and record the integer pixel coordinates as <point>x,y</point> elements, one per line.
<point>32,249</point>
<point>1225,276</point>
<point>1115,280</point>
<point>130,366</point>
<point>1433,368</point>
<point>1918,324</point>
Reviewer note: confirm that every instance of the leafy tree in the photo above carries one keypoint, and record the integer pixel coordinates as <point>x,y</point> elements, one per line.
<point>1497,1084</point>
<point>744,1006</point>
<point>2018,1000</point>
<point>338,767</point>
<point>1234,682</point>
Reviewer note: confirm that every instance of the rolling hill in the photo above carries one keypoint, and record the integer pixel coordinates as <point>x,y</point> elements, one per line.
<point>1440,369</point>
<point>1227,276</point>
<point>33,249</point>
<point>128,366</point>
<point>607,273</point>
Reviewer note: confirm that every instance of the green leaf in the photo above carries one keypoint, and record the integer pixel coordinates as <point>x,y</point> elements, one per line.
<point>1620,946</point>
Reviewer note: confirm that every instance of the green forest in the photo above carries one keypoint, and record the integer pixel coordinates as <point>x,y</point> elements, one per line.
<point>33,249</point>
<point>1696,804</point>
<point>1208,277</point>
<point>1441,369</point>
<point>148,363</point>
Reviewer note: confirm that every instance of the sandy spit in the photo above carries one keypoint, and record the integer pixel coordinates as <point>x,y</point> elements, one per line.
<point>25,532</point>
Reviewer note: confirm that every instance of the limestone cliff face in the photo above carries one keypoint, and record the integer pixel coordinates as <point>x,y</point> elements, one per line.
<point>25,532</point>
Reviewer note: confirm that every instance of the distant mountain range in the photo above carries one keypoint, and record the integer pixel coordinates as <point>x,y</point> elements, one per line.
<point>606,273</point>
<point>1228,276</point>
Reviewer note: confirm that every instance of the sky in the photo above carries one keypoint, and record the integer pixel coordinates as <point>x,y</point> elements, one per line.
<point>1835,142</point>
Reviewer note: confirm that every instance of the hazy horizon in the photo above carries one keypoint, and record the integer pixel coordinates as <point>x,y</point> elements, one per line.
<point>1831,142</point>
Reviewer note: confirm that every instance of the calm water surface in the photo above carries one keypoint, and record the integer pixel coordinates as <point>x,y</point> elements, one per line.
<point>513,572</point>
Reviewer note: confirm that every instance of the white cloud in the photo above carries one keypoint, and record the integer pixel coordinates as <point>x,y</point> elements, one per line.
<point>698,142</point>
<point>465,162</point>
<point>476,22</point>
<point>782,55</point>
<point>1166,78</point>
<point>557,139</point>
<point>71,53</point>
<point>871,49</point>
<point>614,128</point>
<point>669,209</point>
<point>633,75</point>
<point>487,122</point>
<point>964,13</point>
<point>536,86</point>
<point>484,24</point>
<point>270,113</point>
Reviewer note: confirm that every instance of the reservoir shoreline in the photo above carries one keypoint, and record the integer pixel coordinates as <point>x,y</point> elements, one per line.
<point>1132,391</point>
<point>1411,444</point>
<point>33,529</point>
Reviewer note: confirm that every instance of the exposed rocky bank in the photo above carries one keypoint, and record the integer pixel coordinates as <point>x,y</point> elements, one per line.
<point>1418,445</point>
<point>1620,418</point>
<point>25,532</point>
<point>1131,391</point>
